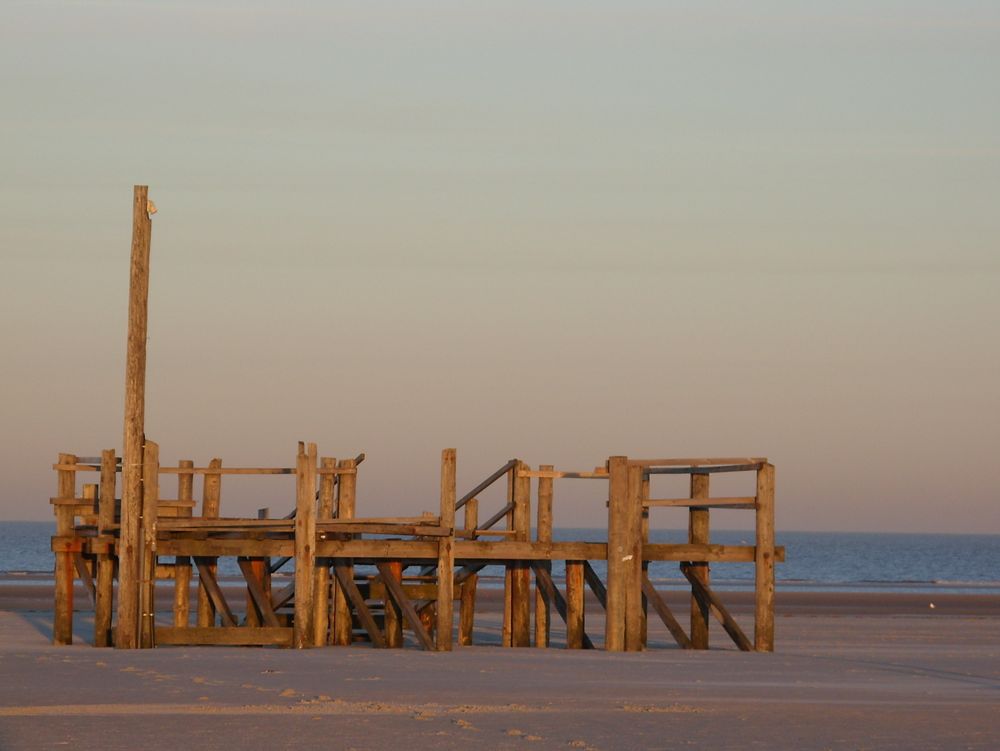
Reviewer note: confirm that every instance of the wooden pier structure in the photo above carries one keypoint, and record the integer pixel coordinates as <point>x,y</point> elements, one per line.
<point>375,579</point>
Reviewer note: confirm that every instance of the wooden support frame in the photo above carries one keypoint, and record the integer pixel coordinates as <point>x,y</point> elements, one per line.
<point>666,615</point>
<point>710,601</point>
<point>395,590</point>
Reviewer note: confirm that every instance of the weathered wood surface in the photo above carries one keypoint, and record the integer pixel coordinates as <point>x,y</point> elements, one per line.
<point>62,622</point>
<point>211,501</point>
<point>242,636</point>
<point>666,615</point>
<point>182,563</point>
<point>543,597</point>
<point>764,562</point>
<point>130,542</point>
<point>446,555</point>
<point>305,547</point>
<point>698,534</point>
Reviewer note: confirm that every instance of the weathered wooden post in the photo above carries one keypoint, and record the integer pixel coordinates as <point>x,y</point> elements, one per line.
<point>62,624</point>
<point>698,534</point>
<point>543,607</point>
<point>764,561</point>
<point>182,563</point>
<point>521,573</point>
<point>633,561</point>
<point>321,617</point>
<point>211,501</point>
<point>305,546</point>
<point>130,540</point>
<point>467,604</point>
<point>508,571</point>
<point>618,546</point>
<point>644,510</point>
<point>105,585</point>
<point>150,503</point>
<point>575,610</point>
<point>393,612</point>
<point>343,627</point>
<point>446,554</point>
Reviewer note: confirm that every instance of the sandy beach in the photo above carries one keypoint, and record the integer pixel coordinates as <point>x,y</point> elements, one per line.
<point>851,671</point>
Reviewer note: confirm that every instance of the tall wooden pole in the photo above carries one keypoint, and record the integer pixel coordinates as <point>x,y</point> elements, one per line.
<point>130,541</point>
<point>446,554</point>
<point>764,562</point>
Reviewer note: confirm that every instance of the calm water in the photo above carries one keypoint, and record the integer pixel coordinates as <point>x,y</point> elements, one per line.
<point>815,560</point>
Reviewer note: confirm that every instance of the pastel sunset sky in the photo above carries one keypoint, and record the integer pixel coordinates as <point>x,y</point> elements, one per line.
<point>555,231</point>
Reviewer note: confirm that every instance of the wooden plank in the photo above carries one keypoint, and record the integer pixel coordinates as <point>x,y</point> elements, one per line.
<point>711,553</point>
<point>487,550</point>
<point>211,501</point>
<point>575,609</point>
<point>81,564</point>
<point>543,603</point>
<point>230,636</point>
<point>666,615</point>
<point>618,554</point>
<point>446,555</point>
<point>348,586</point>
<point>764,559</point>
<point>225,546</point>
<point>703,470</point>
<point>341,628</point>
<point>206,578</point>
<point>735,502</point>
<point>182,574</point>
<point>321,587</point>
<point>374,528</point>
<point>714,604</point>
<point>130,545</point>
<point>697,462</point>
<point>554,474</point>
<point>256,589</point>
<point>392,584</point>
<point>698,534</point>
<point>305,547</point>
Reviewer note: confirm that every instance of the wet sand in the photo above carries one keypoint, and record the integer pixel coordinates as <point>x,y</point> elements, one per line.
<point>850,672</point>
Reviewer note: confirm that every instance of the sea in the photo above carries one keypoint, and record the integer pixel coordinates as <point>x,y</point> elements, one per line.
<point>815,561</point>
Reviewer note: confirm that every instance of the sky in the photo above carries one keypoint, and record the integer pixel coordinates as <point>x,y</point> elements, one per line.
<point>556,231</point>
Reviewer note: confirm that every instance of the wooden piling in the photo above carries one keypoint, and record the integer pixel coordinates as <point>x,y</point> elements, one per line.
<point>645,564</point>
<point>633,562</point>
<point>543,608</point>
<point>521,572</point>
<point>182,563</point>
<point>618,552</point>
<point>303,634</point>
<point>575,621</point>
<point>764,562</point>
<point>104,594</point>
<point>467,603</point>
<point>343,627</point>
<point>393,612</point>
<point>321,588</point>
<point>446,554</point>
<point>698,534</point>
<point>211,501</point>
<point>62,624</point>
<point>150,507</point>
<point>130,537</point>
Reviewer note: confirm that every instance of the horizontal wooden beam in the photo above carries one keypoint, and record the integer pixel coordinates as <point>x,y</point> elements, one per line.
<point>697,462</point>
<point>556,474</point>
<point>238,636</point>
<point>702,470</point>
<point>742,502</point>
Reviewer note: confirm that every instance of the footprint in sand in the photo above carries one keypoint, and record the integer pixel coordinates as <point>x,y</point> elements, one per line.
<point>464,724</point>
<point>288,692</point>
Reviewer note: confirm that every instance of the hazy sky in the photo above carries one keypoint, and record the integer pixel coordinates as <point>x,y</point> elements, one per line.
<point>550,230</point>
